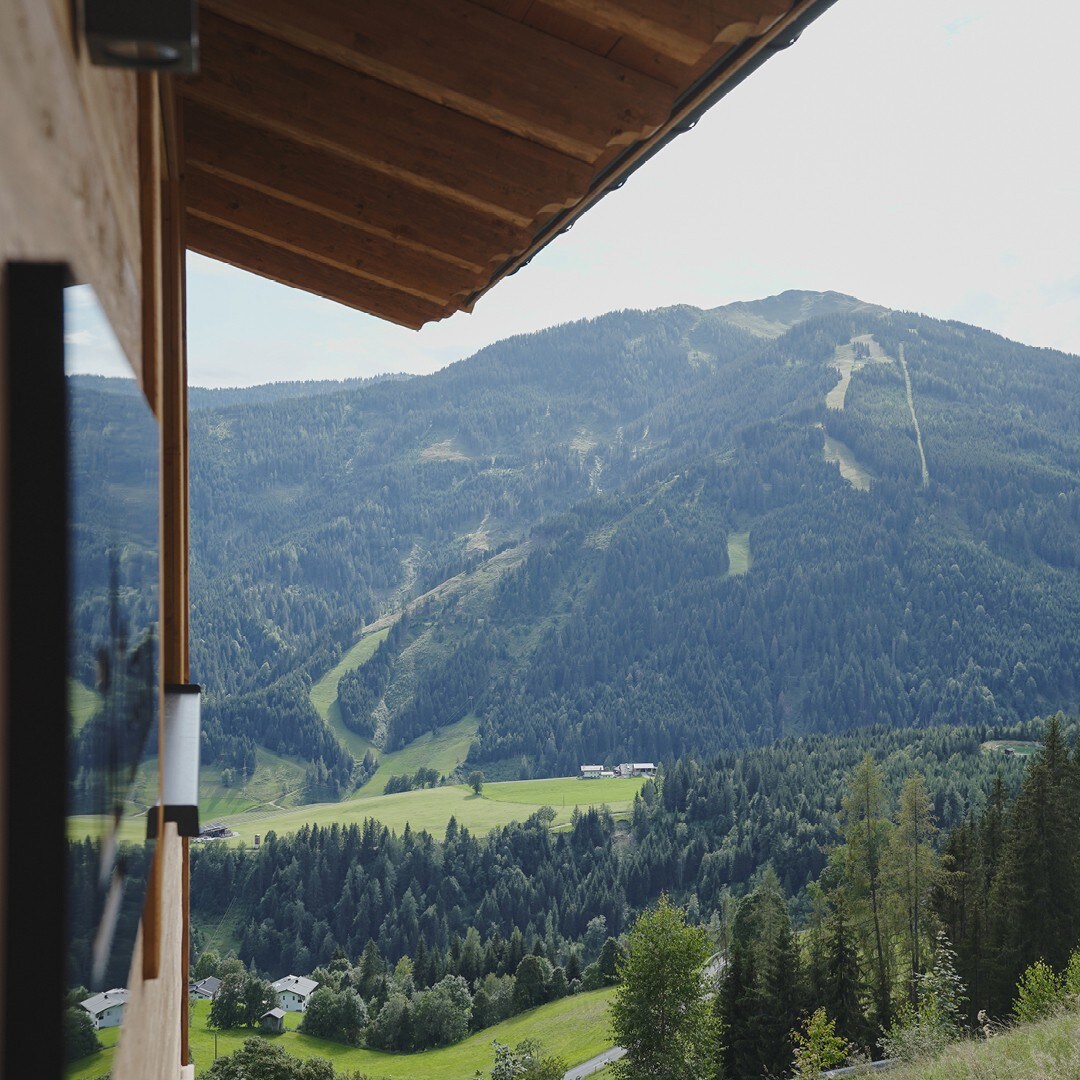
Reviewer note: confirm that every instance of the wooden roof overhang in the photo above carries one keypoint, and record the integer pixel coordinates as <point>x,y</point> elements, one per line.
<point>402,156</point>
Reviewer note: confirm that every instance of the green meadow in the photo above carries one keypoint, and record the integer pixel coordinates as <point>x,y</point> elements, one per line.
<point>443,750</point>
<point>324,694</point>
<point>432,808</point>
<point>574,1028</point>
<point>429,808</point>
<point>738,552</point>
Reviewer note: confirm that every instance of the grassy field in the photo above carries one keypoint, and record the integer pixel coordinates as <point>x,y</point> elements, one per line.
<point>432,808</point>
<point>1018,747</point>
<point>738,553</point>
<point>324,693</point>
<point>1028,1052</point>
<point>444,751</point>
<point>275,785</point>
<point>574,1028</point>
<point>850,469</point>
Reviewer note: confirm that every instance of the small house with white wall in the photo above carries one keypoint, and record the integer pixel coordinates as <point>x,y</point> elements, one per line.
<point>591,772</point>
<point>643,768</point>
<point>294,991</point>
<point>107,1008</point>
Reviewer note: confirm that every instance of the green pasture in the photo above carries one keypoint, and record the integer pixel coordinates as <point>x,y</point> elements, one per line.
<point>432,808</point>
<point>850,469</point>
<point>574,1028</point>
<point>1050,1048</point>
<point>324,693</point>
<point>738,553</point>
<point>443,750</point>
<point>1019,747</point>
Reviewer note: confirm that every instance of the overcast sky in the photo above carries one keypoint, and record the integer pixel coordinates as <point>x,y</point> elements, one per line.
<point>920,154</point>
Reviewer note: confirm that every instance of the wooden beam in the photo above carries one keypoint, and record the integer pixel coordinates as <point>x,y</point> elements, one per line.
<point>681,29</point>
<point>419,143</point>
<point>266,260</point>
<point>347,192</point>
<point>459,54</point>
<point>297,229</point>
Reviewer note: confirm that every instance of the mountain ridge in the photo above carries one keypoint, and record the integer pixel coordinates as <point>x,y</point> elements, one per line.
<point>628,449</point>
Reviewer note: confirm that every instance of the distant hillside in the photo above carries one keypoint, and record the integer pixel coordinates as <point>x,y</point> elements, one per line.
<point>630,451</point>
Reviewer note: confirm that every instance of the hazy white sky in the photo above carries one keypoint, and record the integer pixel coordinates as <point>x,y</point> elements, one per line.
<point>920,154</point>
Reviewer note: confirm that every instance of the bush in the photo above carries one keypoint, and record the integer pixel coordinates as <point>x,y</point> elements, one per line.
<point>817,1046</point>
<point>1039,993</point>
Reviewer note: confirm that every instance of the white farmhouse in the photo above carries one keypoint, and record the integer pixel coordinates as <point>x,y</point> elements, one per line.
<point>591,772</point>
<point>107,1008</point>
<point>293,992</point>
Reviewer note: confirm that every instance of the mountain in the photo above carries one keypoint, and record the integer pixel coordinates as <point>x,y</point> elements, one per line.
<point>799,514</point>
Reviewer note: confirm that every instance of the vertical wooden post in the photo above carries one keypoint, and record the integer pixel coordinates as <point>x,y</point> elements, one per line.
<point>149,139</point>
<point>174,466</point>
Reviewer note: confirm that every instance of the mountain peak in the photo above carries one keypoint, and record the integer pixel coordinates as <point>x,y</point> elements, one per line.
<point>774,315</point>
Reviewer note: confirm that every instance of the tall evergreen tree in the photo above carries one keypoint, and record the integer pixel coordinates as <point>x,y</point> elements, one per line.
<point>915,871</point>
<point>760,989</point>
<point>866,829</point>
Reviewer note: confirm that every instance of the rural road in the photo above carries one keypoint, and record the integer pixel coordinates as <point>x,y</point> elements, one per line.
<point>587,1068</point>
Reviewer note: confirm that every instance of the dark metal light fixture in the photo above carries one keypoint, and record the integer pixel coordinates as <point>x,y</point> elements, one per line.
<point>157,35</point>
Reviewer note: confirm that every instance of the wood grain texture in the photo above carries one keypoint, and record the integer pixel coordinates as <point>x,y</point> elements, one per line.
<point>68,186</point>
<point>326,239</point>
<point>428,146</point>
<point>459,54</point>
<point>345,191</point>
<point>259,257</point>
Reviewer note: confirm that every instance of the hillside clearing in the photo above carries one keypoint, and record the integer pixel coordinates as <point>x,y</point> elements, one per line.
<point>850,469</point>
<point>738,553</point>
<point>443,750</point>
<point>324,693</point>
<point>1019,747</point>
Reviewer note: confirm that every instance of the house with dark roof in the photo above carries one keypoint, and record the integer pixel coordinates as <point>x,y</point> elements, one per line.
<point>205,989</point>
<point>293,992</point>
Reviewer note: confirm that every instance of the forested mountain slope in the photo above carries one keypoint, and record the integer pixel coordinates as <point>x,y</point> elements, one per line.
<point>631,453</point>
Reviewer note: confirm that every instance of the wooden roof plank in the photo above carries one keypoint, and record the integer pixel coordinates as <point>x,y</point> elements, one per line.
<point>341,189</point>
<point>462,55</point>
<point>305,232</point>
<point>266,260</point>
<point>429,146</point>
<point>682,29</point>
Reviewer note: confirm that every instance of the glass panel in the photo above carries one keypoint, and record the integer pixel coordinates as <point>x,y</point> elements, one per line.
<point>113,653</point>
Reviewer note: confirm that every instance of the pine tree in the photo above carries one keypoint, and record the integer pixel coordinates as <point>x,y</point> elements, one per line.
<point>1036,890</point>
<point>915,871</point>
<point>760,990</point>
<point>866,829</point>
